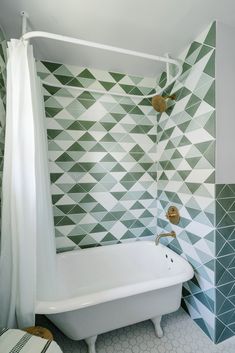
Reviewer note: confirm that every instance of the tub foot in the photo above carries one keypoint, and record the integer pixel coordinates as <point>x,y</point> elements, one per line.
<point>90,341</point>
<point>157,325</point>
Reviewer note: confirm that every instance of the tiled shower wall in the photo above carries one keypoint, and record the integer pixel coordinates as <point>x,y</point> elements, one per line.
<point>102,157</point>
<point>186,169</point>
<point>225,261</point>
<point>102,152</point>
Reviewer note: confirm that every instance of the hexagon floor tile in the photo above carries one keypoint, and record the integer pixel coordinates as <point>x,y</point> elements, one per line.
<point>181,335</point>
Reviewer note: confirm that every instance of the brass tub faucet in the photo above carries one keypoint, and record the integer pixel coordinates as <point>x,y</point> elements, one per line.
<point>171,234</point>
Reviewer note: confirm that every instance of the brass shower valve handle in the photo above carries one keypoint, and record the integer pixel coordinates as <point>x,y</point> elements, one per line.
<point>173,215</point>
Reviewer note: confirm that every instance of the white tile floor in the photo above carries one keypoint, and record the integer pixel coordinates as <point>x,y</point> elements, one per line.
<point>181,335</point>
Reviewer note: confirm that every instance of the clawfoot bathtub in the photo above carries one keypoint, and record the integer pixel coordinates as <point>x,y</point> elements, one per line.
<point>105,288</point>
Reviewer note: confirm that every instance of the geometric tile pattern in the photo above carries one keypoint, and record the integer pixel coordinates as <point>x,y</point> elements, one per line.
<point>225,261</point>
<point>102,157</point>
<point>2,99</point>
<point>181,335</point>
<point>186,169</point>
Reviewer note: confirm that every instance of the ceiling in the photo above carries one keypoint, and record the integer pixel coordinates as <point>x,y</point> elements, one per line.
<point>151,26</point>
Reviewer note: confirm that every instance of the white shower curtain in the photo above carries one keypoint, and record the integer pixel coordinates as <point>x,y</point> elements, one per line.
<point>27,260</point>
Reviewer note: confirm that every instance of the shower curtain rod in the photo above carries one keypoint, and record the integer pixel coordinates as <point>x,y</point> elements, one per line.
<point>62,38</point>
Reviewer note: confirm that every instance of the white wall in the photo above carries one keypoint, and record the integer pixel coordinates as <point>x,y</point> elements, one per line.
<point>225,104</point>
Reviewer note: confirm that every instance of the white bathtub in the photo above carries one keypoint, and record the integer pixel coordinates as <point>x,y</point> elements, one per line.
<point>105,288</point>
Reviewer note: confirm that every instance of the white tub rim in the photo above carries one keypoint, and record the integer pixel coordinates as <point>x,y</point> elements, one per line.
<point>84,301</point>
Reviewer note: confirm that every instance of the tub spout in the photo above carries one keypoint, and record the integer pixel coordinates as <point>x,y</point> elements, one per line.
<point>171,234</point>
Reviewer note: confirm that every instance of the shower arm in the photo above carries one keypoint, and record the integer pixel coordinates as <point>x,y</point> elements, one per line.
<point>40,34</point>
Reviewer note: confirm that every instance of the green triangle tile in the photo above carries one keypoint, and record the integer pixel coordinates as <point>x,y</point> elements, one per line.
<point>109,237</point>
<point>127,177</point>
<point>117,76</point>
<point>210,125</point>
<point>210,66</point>
<point>117,116</point>
<point>65,208</point>
<point>185,67</point>
<point>63,221</point>
<point>51,89</point>
<point>138,175</point>
<point>63,70</point>
<point>135,79</point>
<point>86,95</point>
<point>163,176</point>
<point>55,176</point>
<point>209,154</point>
<point>107,138</point>
<point>118,168</point>
<point>204,51</point>
<point>53,133</point>
<point>211,36</point>
<point>75,147</point>
<point>88,199</point>
<point>192,110</point>
<point>184,141</point>
<point>76,189</point>
<point>43,75</point>
<point>76,125</point>
<point>75,82</point>
<point>193,187</point>
<point>86,82</point>
<point>225,221</point>
<point>210,96</point>
<point>87,124</point>
<point>87,166</point>
<point>144,128</point>
<point>136,91</point>
<point>98,228</point>
<point>128,107</point>
<point>128,184</point>
<point>127,88</point>
<point>183,127</point>
<point>64,158</point>
<point>108,158</point>
<point>51,112</point>
<point>56,198</point>
<point>87,103</point>
<point>63,79</point>
<point>169,145</point>
<point>86,74</point>
<point>51,66</point>
<point>98,148</point>
<point>224,191</point>
<point>145,102</point>
<point>193,212</point>
<point>98,176</point>
<point>108,126</point>
<point>87,137</point>
<point>193,47</point>
<point>193,100</point>
<point>202,146</point>
<point>146,166</point>
<point>193,237</point>
<point>76,168</point>
<point>77,238</point>
<point>193,161</point>
<point>146,214</point>
<point>128,235</point>
<point>137,149</point>
<point>98,208</point>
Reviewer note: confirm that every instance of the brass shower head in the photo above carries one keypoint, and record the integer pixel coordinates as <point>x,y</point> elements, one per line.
<point>159,103</point>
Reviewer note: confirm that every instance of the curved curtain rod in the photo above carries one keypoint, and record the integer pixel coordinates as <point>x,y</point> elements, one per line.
<point>58,37</point>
